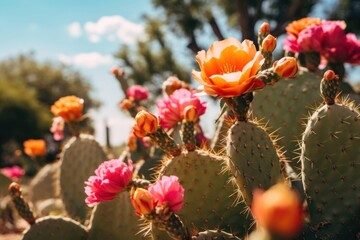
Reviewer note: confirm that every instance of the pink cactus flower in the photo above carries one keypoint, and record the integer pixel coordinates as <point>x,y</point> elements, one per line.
<point>137,92</point>
<point>111,177</point>
<point>57,128</point>
<point>168,192</point>
<point>171,108</point>
<point>14,172</point>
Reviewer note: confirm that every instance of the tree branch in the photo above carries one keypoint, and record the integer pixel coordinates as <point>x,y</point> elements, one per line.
<point>245,20</point>
<point>215,27</point>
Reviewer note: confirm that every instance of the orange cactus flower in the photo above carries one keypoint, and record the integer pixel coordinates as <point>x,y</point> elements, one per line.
<point>35,147</point>
<point>69,108</point>
<point>297,26</point>
<point>132,142</point>
<point>286,67</point>
<point>190,113</point>
<point>228,68</point>
<point>146,123</point>
<point>142,201</point>
<point>278,210</point>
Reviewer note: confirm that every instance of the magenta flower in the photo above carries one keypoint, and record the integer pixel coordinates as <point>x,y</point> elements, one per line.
<point>57,128</point>
<point>111,177</point>
<point>171,108</point>
<point>168,192</point>
<point>137,92</point>
<point>14,172</point>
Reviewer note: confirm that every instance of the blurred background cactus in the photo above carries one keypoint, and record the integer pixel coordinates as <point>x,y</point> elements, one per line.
<point>270,153</point>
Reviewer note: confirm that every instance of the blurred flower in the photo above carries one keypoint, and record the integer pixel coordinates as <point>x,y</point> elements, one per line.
<point>190,113</point>
<point>265,28</point>
<point>278,210</point>
<point>168,192</point>
<point>35,147</point>
<point>69,108</point>
<point>269,43</point>
<point>171,108</point>
<point>126,104</point>
<point>146,123</point>
<point>132,142</point>
<point>172,84</point>
<point>137,92</point>
<point>330,75</point>
<point>286,67</point>
<point>228,68</point>
<point>14,172</point>
<point>142,201</point>
<point>295,27</point>
<point>111,177</point>
<point>57,128</point>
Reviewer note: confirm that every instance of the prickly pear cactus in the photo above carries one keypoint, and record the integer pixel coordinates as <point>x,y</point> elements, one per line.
<point>81,156</point>
<point>330,159</point>
<point>254,160</point>
<point>214,234</point>
<point>209,197</point>
<point>115,220</point>
<point>46,183</point>
<point>55,228</point>
<point>285,105</point>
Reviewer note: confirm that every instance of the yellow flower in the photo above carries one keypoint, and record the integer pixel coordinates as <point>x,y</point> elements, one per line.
<point>278,210</point>
<point>69,108</point>
<point>35,147</point>
<point>228,68</point>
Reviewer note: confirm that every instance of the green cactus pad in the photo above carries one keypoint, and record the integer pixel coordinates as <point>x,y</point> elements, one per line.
<point>285,105</point>
<point>209,197</point>
<point>115,220</point>
<point>253,158</point>
<point>218,142</point>
<point>46,183</point>
<point>330,161</point>
<point>55,228</point>
<point>81,156</point>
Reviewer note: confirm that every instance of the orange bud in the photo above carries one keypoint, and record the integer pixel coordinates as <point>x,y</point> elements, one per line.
<point>330,75</point>
<point>278,210</point>
<point>269,43</point>
<point>69,108</point>
<point>286,67</point>
<point>146,122</point>
<point>190,113</point>
<point>132,142</point>
<point>126,104</point>
<point>35,147</point>
<point>117,71</point>
<point>142,201</point>
<point>264,28</point>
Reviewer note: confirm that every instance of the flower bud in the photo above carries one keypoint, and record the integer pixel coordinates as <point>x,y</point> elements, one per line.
<point>286,67</point>
<point>132,142</point>
<point>190,113</point>
<point>126,104</point>
<point>146,122</point>
<point>269,43</point>
<point>142,201</point>
<point>279,210</point>
<point>265,28</point>
<point>330,75</point>
<point>117,71</point>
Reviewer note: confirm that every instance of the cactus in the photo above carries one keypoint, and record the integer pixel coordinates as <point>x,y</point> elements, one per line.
<point>214,234</point>
<point>254,159</point>
<point>55,228</point>
<point>115,220</point>
<point>284,106</point>
<point>330,156</point>
<point>46,183</point>
<point>81,156</point>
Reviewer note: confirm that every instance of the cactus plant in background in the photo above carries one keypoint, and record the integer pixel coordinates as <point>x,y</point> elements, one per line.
<point>239,188</point>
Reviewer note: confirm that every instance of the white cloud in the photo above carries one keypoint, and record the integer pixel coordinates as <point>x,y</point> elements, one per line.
<point>74,29</point>
<point>87,60</point>
<point>114,28</point>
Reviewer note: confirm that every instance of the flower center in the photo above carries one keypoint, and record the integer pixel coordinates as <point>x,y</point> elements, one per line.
<point>228,68</point>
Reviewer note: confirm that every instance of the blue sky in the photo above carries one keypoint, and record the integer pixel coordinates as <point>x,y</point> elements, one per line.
<point>83,34</point>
